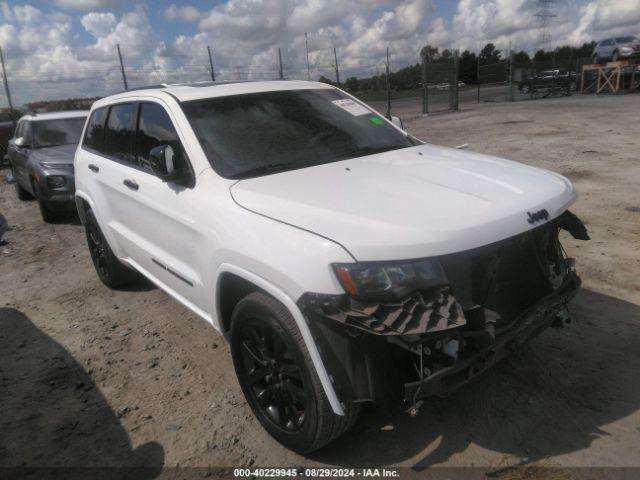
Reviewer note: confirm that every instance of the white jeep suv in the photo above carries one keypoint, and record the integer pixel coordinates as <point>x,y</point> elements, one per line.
<point>345,260</point>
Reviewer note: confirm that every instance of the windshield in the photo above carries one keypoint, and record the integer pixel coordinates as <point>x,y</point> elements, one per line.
<point>627,40</point>
<point>62,131</point>
<point>259,133</point>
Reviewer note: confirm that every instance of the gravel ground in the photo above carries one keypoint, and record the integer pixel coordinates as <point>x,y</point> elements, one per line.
<point>90,376</point>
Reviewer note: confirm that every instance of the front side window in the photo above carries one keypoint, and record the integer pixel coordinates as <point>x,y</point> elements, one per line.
<point>94,136</point>
<point>259,133</point>
<point>61,131</point>
<point>118,135</point>
<point>155,129</point>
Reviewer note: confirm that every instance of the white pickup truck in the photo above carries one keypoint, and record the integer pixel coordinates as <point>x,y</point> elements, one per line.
<point>345,260</point>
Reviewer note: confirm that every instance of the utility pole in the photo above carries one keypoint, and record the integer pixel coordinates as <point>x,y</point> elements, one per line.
<point>280,64</point>
<point>510,72</point>
<point>6,87</point>
<point>124,76</point>
<point>213,75</point>
<point>388,115</point>
<point>335,56</point>
<point>306,44</point>
<point>545,16</point>
<point>425,91</point>
<point>478,76</point>
<point>456,74</point>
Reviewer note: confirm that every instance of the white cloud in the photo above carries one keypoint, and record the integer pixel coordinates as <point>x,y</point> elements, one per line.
<point>182,14</point>
<point>27,14</point>
<point>606,18</point>
<point>98,24</point>
<point>133,32</point>
<point>46,59</point>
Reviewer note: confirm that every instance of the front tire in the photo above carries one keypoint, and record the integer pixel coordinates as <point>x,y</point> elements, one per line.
<point>21,193</point>
<point>615,56</point>
<point>278,379</point>
<point>109,269</point>
<point>48,215</point>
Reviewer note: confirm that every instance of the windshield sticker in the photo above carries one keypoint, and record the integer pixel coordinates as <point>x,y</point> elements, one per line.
<point>376,121</point>
<point>352,107</point>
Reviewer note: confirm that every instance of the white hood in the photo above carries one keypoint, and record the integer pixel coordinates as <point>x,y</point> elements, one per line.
<point>410,203</point>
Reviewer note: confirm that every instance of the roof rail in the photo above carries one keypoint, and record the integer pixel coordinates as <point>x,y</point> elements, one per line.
<point>146,87</point>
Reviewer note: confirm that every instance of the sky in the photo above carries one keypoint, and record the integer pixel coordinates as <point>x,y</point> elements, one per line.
<point>67,48</point>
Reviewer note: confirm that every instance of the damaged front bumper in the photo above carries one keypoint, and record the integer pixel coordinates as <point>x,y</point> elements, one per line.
<point>431,342</point>
<point>545,313</point>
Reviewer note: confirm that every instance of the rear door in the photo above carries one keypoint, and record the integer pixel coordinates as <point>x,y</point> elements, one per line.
<point>107,160</point>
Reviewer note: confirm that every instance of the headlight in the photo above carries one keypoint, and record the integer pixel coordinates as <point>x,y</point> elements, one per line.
<point>389,279</point>
<point>56,181</point>
<point>626,49</point>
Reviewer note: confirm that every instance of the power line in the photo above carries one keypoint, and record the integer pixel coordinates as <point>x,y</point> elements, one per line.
<point>545,16</point>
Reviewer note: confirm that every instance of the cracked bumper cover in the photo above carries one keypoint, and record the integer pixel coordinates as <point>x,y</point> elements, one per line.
<point>431,342</point>
<point>525,328</point>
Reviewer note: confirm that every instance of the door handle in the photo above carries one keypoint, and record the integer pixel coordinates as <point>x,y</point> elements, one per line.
<point>94,168</point>
<point>130,184</point>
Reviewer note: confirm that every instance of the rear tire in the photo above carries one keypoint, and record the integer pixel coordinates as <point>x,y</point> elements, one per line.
<point>278,379</point>
<point>596,59</point>
<point>109,269</point>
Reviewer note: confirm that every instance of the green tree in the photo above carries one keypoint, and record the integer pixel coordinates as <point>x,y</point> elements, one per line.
<point>352,84</point>
<point>429,53</point>
<point>489,54</point>
<point>324,79</point>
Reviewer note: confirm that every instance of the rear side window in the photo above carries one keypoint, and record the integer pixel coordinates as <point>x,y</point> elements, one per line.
<point>95,130</point>
<point>154,129</point>
<point>118,135</point>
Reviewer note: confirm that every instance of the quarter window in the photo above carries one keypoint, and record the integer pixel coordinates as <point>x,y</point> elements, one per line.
<point>118,133</point>
<point>94,136</point>
<point>154,129</point>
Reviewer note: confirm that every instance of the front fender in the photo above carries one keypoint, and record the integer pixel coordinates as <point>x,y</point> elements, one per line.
<point>282,297</point>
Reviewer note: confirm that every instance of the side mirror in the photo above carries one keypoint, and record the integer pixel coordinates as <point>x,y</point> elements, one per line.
<point>162,160</point>
<point>397,121</point>
<point>20,142</point>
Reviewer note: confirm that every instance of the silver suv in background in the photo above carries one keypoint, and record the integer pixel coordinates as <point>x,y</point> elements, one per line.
<point>41,157</point>
<point>617,48</point>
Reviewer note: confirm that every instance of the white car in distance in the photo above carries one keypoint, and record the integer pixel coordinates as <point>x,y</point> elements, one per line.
<point>345,261</point>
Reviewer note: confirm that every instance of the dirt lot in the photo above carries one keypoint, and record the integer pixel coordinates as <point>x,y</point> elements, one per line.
<point>90,376</point>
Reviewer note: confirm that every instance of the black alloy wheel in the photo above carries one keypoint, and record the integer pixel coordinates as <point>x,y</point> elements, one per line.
<point>278,378</point>
<point>98,249</point>
<point>273,375</point>
<point>109,269</point>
